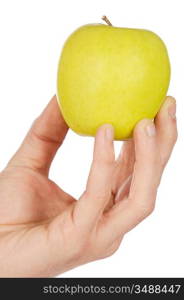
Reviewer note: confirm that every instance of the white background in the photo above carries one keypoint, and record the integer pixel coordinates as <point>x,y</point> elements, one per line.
<point>31,37</point>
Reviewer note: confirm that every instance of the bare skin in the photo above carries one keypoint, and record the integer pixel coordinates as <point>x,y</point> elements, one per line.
<point>43,230</point>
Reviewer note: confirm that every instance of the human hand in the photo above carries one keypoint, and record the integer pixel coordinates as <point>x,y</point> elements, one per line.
<point>43,230</point>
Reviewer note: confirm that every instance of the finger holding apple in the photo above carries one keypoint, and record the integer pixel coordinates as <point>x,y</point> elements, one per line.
<point>104,228</point>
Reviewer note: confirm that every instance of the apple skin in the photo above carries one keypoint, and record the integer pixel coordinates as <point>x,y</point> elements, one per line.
<point>111,75</point>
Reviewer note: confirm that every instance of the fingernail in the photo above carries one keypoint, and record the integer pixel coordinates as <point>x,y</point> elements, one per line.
<point>150,129</point>
<point>109,132</point>
<point>172,110</point>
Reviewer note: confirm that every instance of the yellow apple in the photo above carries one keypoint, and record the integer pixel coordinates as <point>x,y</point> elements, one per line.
<point>112,75</point>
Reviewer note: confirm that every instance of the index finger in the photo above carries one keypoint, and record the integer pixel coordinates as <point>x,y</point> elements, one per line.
<point>99,185</point>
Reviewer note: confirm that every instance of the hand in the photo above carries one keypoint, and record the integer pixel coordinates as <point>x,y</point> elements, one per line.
<point>43,230</point>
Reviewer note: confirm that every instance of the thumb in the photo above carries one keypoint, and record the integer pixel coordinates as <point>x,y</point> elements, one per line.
<point>42,141</point>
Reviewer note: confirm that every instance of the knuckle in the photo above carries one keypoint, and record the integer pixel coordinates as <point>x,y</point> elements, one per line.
<point>172,138</point>
<point>165,156</point>
<point>109,251</point>
<point>175,137</point>
<point>106,160</point>
<point>145,209</point>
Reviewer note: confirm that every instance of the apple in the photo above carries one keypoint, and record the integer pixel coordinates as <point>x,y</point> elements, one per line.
<point>111,75</point>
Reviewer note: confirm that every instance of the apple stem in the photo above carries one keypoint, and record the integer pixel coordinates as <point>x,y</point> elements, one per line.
<point>104,18</point>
